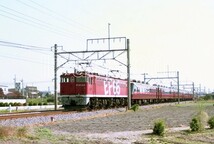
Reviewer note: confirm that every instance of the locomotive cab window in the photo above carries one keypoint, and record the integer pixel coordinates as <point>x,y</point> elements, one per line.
<point>64,79</point>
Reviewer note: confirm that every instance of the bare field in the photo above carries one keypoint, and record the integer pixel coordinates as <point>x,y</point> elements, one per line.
<point>134,127</point>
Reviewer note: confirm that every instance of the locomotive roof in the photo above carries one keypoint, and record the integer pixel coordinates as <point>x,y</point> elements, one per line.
<point>88,74</point>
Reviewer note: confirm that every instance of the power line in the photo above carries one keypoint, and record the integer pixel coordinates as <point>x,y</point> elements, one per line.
<point>35,23</point>
<point>25,60</point>
<point>59,16</point>
<point>53,14</point>
<point>41,22</point>
<point>23,46</point>
<point>38,26</point>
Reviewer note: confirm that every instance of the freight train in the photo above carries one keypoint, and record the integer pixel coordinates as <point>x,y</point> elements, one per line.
<point>91,90</point>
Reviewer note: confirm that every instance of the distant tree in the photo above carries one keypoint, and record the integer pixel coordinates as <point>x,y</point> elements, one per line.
<point>47,94</point>
<point>208,97</point>
<point>1,92</point>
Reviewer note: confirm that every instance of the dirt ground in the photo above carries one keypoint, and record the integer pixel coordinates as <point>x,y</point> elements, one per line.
<point>135,127</point>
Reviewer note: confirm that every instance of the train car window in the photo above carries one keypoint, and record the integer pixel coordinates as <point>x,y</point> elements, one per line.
<point>89,80</point>
<point>134,88</point>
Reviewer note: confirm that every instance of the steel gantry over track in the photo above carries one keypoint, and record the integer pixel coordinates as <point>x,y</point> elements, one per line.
<point>190,86</point>
<point>146,80</point>
<point>90,55</point>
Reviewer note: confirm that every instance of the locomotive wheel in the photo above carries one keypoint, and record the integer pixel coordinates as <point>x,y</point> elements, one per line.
<point>105,103</point>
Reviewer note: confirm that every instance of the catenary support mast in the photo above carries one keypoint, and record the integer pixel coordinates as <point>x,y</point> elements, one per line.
<point>128,75</point>
<point>55,77</point>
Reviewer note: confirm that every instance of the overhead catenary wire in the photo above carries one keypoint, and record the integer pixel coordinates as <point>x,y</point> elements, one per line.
<point>37,26</point>
<point>26,60</point>
<point>61,17</point>
<point>23,46</point>
<point>52,14</point>
<point>36,23</point>
<point>37,49</point>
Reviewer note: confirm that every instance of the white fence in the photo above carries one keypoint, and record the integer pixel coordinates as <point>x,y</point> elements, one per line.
<point>43,107</point>
<point>13,100</point>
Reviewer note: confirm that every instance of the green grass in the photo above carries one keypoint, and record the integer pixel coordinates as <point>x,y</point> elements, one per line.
<point>182,137</point>
<point>199,104</point>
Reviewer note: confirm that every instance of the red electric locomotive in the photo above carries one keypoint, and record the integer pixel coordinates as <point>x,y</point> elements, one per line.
<point>83,89</point>
<point>93,90</point>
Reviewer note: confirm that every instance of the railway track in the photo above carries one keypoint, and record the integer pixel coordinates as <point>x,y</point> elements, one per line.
<point>48,113</point>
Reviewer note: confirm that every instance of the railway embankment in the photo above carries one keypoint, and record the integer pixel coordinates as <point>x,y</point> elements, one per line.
<point>119,125</point>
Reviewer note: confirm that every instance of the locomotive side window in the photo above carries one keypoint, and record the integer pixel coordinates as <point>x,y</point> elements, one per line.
<point>81,79</point>
<point>71,79</point>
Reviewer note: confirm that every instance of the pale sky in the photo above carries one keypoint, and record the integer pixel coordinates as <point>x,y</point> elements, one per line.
<point>175,35</point>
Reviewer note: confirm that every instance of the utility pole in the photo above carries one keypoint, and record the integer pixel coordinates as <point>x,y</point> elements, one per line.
<point>109,36</point>
<point>193,89</point>
<point>55,76</point>
<point>22,81</point>
<point>14,82</point>
<point>128,75</point>
<point>178,87</point>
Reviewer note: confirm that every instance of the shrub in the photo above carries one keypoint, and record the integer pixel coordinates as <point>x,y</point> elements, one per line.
<point>1,104</point>
<point>199,122</point>
<point>30,104</point>
<point>12,104</point>
<point>195,124</point>
<point>135,107</point>
<point>19,104</point>
<point>159,127</point>
<point>45,103</point>
<point>34,104</point>
<point>40,103</point>
<point>203,119</point>
<point>211,122</point>
<point>50,99</point>
<point>6,104</point>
